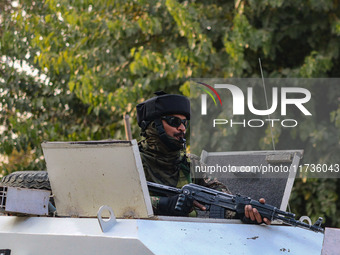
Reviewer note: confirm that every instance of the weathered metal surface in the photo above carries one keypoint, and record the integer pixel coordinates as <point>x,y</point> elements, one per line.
<point>83,236</point>
<point>331,242</point>
<point>69,236</point>
<point>87,175</point>
<point>25,201</point>
<point>207,238</point>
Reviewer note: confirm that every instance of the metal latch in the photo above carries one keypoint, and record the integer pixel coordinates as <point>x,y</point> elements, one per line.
<point>106,225</point>
<point>306,218</point>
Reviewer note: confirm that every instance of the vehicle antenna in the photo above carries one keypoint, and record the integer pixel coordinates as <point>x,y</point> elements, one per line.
<point>265,95</point>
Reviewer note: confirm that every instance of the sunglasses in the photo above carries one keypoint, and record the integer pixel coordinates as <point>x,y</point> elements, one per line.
<point>175,121</point>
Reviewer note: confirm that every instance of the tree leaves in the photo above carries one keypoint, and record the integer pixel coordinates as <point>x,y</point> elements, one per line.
<point>93,61</point>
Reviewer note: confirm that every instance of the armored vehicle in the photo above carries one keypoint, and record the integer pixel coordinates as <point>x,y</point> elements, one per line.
<point>94,199</point>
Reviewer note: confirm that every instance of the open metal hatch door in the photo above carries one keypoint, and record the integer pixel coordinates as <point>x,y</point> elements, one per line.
<point>86,175</point>
<point>273,176</point>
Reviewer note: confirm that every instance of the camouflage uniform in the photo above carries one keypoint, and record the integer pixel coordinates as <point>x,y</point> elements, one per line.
<point>171,168</point>
<point>163,157</point>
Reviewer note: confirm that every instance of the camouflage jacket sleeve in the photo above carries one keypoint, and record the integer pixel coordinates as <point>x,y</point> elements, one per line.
<point>154,203</point>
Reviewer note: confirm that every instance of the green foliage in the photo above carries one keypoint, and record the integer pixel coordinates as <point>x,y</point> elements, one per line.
<point>95,60</point>
<point>317,197</point>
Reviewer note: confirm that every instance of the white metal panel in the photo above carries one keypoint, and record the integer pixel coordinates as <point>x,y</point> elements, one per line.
<point>39,235</point>
<point>182,238</point>
<point>69,236</point>
<point>331,242</point>
<point>27,201</point>
<point>87,175</point>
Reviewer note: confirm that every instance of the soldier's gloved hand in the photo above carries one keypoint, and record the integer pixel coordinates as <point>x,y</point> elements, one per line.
<point>179,205</point>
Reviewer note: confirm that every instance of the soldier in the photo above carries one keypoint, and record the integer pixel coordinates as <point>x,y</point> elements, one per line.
<point>163,120</point>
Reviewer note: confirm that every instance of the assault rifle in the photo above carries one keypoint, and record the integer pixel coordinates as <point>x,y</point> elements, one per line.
<point>213,198</point>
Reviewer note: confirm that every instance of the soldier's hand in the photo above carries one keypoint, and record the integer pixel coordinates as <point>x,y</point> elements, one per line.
<point>178,205</point>
<point>253,214</point>
<point>199,206</point>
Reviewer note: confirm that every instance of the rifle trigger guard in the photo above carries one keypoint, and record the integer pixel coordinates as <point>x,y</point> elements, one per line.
<point>306,218</point>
